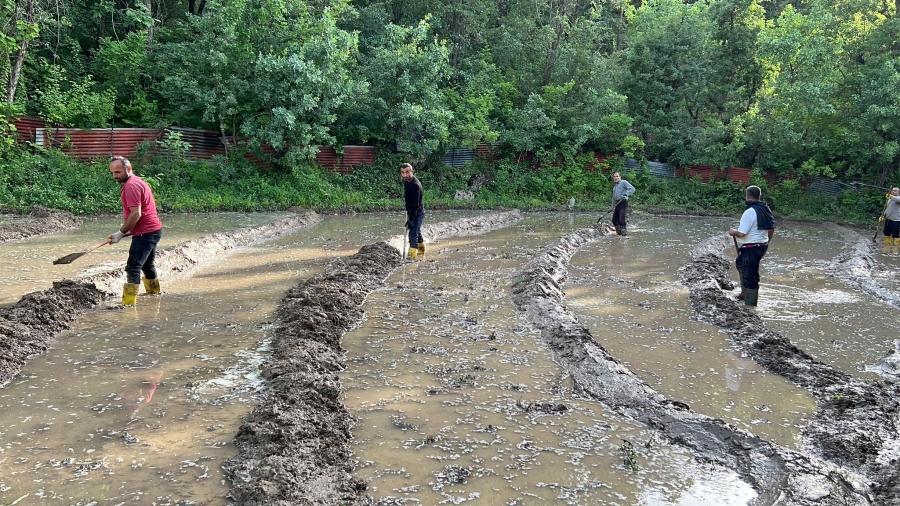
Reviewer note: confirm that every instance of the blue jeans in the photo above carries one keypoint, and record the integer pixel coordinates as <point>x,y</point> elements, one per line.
<point>141,257</point>
<point>415,231</point>
<point>747,263</point>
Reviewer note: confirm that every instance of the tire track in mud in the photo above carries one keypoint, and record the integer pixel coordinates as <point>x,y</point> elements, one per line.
<point>27,327</point>
<point>857,423</point>
<point>295,444</point>
<point>43,221</point>
<point>779,475</point>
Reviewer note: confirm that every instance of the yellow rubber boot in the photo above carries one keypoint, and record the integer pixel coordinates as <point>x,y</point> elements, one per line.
<point>887,240</point>
<point>896,241</point>
<point>421,249</point>
<point>413,252</point>
<point>129,294</point>
<point>151,286</point>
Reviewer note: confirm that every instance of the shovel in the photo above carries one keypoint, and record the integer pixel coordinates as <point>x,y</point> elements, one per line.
<point>607,212</point>
<point>404,248</point>
<point>71,257</point>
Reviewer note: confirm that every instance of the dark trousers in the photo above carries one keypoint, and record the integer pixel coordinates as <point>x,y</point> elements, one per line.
<point>891,228</point>
<point>141,257</point>
<point>619,214</point>
<point>747,264</point>
<point>415,231</point>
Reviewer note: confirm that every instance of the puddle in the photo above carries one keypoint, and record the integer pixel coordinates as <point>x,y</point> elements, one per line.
<point>457,400</point>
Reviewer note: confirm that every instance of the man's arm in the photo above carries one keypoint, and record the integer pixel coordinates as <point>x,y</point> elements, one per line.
<point>132,219</point>
<point>629,189</point>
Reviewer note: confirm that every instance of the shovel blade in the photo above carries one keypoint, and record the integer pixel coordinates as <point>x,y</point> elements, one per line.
<point>71,257</point>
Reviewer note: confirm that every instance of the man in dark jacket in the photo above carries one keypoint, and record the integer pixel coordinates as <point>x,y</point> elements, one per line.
<point>415,210</point>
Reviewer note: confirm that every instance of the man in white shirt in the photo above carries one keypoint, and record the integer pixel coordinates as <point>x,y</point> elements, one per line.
<point>753,235</point>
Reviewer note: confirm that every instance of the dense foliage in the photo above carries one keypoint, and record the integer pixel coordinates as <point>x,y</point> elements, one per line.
<point>800,87</point>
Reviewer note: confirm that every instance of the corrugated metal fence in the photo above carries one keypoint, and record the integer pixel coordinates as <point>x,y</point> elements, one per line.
<point>201,144</point>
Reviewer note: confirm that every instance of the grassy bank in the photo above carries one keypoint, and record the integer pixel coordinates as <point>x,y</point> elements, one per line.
<point>52,179</point>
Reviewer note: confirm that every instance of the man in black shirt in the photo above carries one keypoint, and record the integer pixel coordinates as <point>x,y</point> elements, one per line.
<point>415,210</point>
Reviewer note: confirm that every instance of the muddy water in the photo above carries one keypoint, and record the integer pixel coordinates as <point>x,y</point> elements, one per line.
<point>456,399</point>
<point>28,264</point>
<point>628,294</point>
<point>819,313</point>
<point>141,405</point>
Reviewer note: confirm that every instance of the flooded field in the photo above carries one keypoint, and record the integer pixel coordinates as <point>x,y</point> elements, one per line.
<point>455,397</point>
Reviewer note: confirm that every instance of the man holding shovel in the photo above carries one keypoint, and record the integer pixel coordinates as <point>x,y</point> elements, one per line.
<point>415,210</point>
<point>142,223</point>
<point>621,191</point>
<point>752,237</point>
<point>892,218</point>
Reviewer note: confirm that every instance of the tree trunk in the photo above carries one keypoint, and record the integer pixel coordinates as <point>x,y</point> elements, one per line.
<point>149,4</point>
<point>16,70</point>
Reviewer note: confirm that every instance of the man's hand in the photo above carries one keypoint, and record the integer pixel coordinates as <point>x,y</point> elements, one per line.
<point>881,218</point>
<point>409,224</point>
<point>625,197</point>
<point>887,196</point>
<point>116,237</point>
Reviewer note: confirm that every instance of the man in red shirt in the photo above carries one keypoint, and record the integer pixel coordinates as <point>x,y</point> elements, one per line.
<point>142,223</point>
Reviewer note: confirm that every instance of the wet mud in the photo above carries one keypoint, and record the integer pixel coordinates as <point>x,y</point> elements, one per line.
<point>39,221</point>
<point>779,475</point>
<point>295,445</point>
<point>856,424</point>
<point>856,265</point>
<point>27,327</point>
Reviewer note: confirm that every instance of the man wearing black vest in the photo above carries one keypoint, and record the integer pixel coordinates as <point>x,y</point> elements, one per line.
<point>752,236</point>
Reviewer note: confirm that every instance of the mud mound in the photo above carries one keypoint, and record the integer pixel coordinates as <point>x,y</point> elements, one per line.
<point>42,221</point>
<point>778,475</point>
<point>856,264</point>
<point>295,445</point>
<point>27,327</point>
<point>856,425</point>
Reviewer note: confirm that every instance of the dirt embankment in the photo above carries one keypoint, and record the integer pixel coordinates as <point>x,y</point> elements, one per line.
<point>779,475</point>
<point>27,327</point>
<point>40,221</point>
<point>295,445</point>
<point>857,423</point>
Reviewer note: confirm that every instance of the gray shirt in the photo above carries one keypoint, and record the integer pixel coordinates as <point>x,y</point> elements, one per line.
<point>892,210</point>
<point>622,189</point>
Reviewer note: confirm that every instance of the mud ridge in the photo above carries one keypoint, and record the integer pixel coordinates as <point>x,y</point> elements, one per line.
<point>780,476</point>
<point>857,423</point>
<point>855,265</point>
<point>42,221</point>
<point>295,444</point>
<point>27,327</point>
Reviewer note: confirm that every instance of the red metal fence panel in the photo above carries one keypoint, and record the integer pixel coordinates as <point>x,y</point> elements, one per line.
<point>26,128</point>
<point>87,144</point>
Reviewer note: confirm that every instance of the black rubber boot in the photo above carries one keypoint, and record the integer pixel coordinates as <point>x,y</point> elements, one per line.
<point>618,229</point>
<point>752,296</point>
<point>624,231</point>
